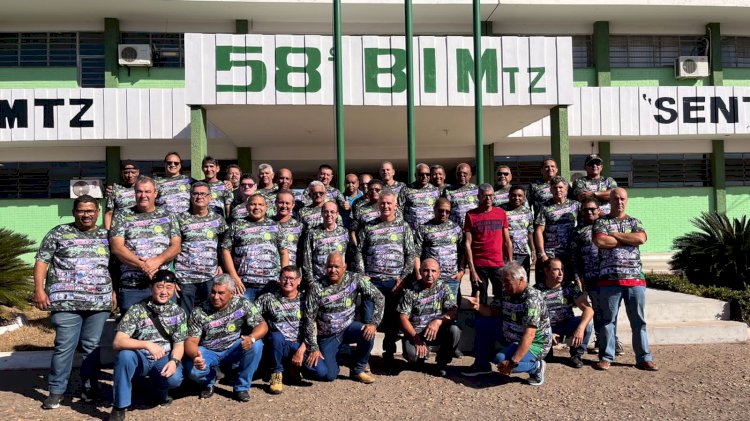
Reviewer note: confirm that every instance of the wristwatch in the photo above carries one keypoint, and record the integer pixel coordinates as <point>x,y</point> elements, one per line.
<point>175,361</point>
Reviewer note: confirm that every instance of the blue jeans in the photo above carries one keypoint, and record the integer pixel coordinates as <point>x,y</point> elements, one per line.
<point>70,328</point>
<point>328,368</point>
<point>567,327</point>
<point>454,286</point>
<point>130,296</point>
<point>248,361</point>
<point>608,304</point>
<point>192,295</point>
<point>281,350</point>
<point>131,363</point>
<point>390,324</point>
<point>528,364</point>
<point>253,292</point>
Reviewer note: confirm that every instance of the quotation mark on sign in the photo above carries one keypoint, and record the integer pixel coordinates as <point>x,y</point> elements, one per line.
<point>645,98</point>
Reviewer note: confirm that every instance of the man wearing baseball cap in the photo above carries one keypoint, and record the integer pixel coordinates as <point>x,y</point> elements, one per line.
<point>594,185</point>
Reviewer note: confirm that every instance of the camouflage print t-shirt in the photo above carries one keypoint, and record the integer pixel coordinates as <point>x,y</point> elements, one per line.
<point>238,210</point>
<point>174,193</point>
<point>291,231</point>
<point>585,255</point>
<point>137,324</point>
<point>559,222</point>
<point>396,187</point>
<point>463,199</point>
<point>283,314</point>
<point>442,242</point>
<point>539,193</point>
<point>220,329</point>
<point>199,255</point>
<point>387,249</point>
<point>78,279</point>
<point>620,265</point>
<point>585,184</point>
<point>418,203</point>
<point>520,225</point>
<point>121,198</point>
<point>318,244</point>
<point>560,300</point>
<point>330,308</point>
<point>312,216</point>
<point>501,197</point>
<point>270,195</point>
<point>255,250</point>
<point>424,305</point>
<point>362,213</point>
<point>523,310</point>
<point>146,234</point>
<point>221,197</point>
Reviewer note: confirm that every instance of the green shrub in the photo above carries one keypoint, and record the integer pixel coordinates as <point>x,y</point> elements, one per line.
<point>16,284</point>
<point>718,254</point>
<point>739,301</point>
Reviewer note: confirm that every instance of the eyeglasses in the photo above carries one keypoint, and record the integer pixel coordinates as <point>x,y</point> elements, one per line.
<point>199,194</point>
<point>375,190</point>
<point>590,210</point>
<point>288,279</point>
<point>86,212</point>
<point>423,174</point>
<point>503,173</point>
<point>175,163</point>
<point>442,211</point>
<point>597,164</point>
<point>247,185</point>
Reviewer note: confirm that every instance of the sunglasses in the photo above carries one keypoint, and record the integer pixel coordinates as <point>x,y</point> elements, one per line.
<point>247,185</point>
<point>423,174</point>
<point>503,173</point>
<point>590,210</point>
<point>173,163</point>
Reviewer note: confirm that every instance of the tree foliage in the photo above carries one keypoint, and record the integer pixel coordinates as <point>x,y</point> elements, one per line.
<point>717,254</point>
<point>16,284</point>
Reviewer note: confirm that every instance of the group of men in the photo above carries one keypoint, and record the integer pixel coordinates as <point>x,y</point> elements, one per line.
<point>208,273</point>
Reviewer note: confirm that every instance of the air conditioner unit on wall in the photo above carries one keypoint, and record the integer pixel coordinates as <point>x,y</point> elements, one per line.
<point>91,187</point>
<point>691,67</point>
<point>135,55</point>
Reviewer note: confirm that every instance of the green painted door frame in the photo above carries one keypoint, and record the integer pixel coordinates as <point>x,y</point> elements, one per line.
<point>559,139</point>
<point>198,140</point>
<point>111,59</point>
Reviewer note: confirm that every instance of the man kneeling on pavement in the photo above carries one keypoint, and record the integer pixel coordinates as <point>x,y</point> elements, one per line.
<point>225,330</point>
<point>149,341</point>
<point>560,298</point>
<point>520,321</point>
<point>427,314</point>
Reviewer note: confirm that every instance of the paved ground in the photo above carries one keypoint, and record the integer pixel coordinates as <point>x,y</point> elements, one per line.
<point>695,382</point>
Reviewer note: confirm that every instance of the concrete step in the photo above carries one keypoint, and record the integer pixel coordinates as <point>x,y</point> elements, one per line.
<point>667,306</point>
<point>692,332</point>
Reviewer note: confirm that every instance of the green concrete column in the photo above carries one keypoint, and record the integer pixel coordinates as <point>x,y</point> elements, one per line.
<point>198,140</point>
<point>111,40</point>
<point>112,164</point>
<point>713,32</point>
<point>241,26</point>
<point>719,175</point>
<point>605,153</point>
<point>559,139</point>
<point>489,163</point>
<point>600,43</point>
<point>245,159</point>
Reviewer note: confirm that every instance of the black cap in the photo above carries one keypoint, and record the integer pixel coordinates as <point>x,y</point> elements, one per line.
<point>127,163</point>
<point>163,275</point>
<point>592,158</point>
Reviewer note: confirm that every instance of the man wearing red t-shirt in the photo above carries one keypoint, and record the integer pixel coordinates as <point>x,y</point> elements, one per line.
<point>487,240</point>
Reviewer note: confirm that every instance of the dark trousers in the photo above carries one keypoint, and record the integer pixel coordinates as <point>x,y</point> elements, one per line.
<point>447,338</point>
<point>390,325</point>
<point>488,275</point>
<point>328,367</point>
<point>192,295</point>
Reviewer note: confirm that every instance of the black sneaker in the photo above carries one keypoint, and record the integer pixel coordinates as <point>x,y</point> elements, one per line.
<point>441,370</point>
<point>91,394</point>
<point>166,401</point>
<point>475,370</point>
<point>619,349</point>
<point>242,396</point>
<point>458,354</point>
<point>537,379</point>
<point>118,414</point>
<point>206,393</point>
<point>576,361</point>
<point>52,401</point>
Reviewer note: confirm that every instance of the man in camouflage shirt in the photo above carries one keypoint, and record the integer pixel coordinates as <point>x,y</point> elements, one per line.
<point>441,239</point>
<point>560,298</point>
<point>291,229</point>
<point>268,188</point>
<point>520,321</point>
<point>503,177</point>
<point>329,321</point>
<point>539,191</point>
<point>247,188</point>
<point>121,196</point>
<point>427,314</point>
<point>226,330</point>
<point>585,252</point>
<point>387,174</point>
<point>143,350</point>
<point>365,210</point>
<point>386,254</point>
<point>621,278</point>
<point>311,215</point>
<point>320,241</point>
<point>594,185</point>
<point>173,191</point>
<point>253,250</point>
<point>437,177</point>
<point>283,310</point>
<point>78,291</point>
<point>198,260</point>
<point>463,194</point>
<point>555,224</point>
<point>418,198</point>
<point>145,239</point>
<point>221,195</point>
<point>521,226</point>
